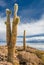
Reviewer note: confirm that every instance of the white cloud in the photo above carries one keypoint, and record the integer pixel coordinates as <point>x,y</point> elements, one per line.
<point>31,28</point>
<point>3,28</point>
<point>36,27</point>
<point>32,38</point>
<point>38,46</point>
<point>2,24</point>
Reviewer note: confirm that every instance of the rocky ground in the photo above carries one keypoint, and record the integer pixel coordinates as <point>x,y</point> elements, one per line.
<point>30,56</point>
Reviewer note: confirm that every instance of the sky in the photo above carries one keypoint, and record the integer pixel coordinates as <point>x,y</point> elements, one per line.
<point>31,13</point>
<point>28,9</point>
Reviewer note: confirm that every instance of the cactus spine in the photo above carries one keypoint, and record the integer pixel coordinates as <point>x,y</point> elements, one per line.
<point>8,31</point>
<point>24,41</point>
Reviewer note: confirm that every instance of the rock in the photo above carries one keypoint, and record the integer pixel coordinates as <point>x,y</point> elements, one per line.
<point>26,57</point>
<point>5,63</point>
<point>22,57</point>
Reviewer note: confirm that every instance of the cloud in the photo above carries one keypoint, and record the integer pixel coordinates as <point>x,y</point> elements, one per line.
<point>30,39</point>
<point>35,27</point>
<point>3,28</point>
<point>39,46</point>
<point>33,45</point>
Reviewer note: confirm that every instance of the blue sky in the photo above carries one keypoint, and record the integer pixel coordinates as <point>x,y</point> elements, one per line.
<point>28,9</point>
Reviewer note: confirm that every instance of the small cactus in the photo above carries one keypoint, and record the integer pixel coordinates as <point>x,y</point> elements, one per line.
<point>24,41</point>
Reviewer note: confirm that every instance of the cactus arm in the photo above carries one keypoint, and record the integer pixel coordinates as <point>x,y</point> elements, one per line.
<point>8,31</point>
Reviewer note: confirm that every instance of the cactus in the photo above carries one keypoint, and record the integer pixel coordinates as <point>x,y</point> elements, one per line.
<point>24,42</point>
<point>15,22</point>
<point>8,31</point>
<point>11,36</point>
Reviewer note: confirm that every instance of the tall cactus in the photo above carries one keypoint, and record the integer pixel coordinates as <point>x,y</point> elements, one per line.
<point>15,22</point>
<point>24,41</point>
<point>8,31</point>
<point>11,36</point>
